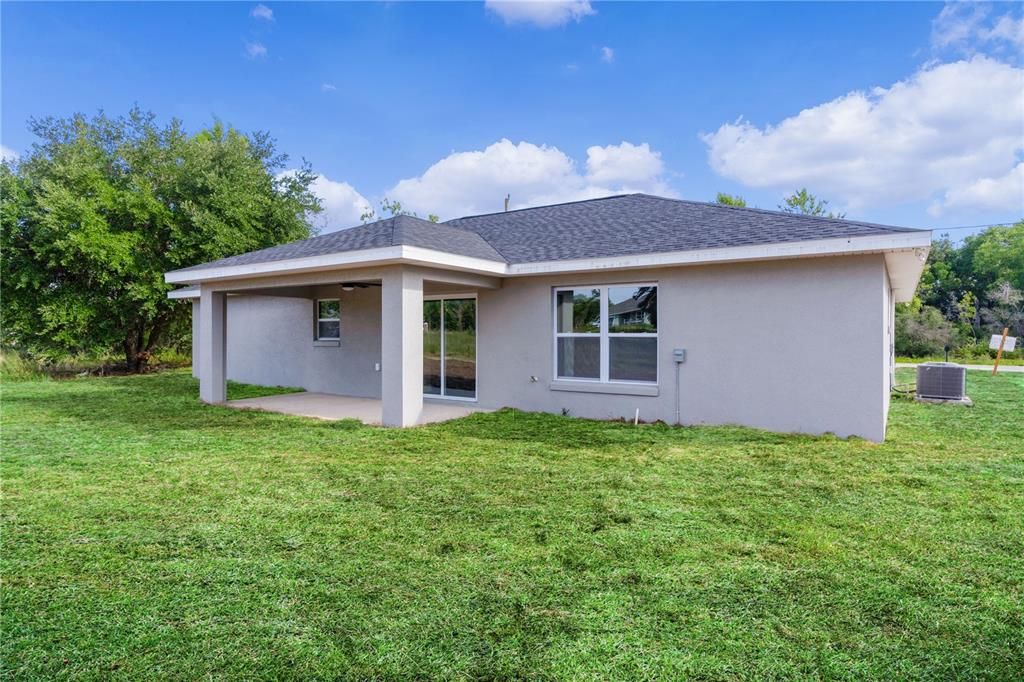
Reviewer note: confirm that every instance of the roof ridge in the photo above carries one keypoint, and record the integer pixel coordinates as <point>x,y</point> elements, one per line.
<point>487,241</point>
<point>755,209</point>
<point>534,208</point>
<point>405,228</point>
<point>317,237</point>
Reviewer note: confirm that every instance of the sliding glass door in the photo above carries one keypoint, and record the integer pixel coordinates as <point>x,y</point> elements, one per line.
<point>432,347</point>
<point>449,347</point>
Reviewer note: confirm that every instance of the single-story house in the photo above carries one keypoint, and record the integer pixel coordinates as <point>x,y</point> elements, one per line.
<point>691,313</point>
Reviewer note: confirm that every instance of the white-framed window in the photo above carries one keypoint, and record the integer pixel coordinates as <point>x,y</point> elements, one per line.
<point>607,333</point>
<point>328,319</point>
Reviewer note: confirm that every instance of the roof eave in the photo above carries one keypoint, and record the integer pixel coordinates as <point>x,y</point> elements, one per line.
<point>187,292</point>
<point>839,246</point>
<point>389,255</point>
<point>916,241</point>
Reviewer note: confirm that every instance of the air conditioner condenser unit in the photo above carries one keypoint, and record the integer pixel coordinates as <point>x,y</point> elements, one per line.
<point>942,381</point>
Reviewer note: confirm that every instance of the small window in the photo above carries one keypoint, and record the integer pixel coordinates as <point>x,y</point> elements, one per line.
<point>607,333</point>
<point>328,319</point>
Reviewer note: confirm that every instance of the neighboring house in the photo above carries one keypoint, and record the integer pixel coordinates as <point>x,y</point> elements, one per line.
<point>633,310</point>
<point>783,321</point>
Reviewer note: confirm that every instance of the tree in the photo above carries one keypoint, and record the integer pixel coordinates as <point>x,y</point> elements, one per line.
<point>998,254</point>
<point>922,330</point>
<point>390,209</point>
<point>805,203</point>
<point>730,200</point>
<point>102,207</point>
<point>944,283</point>
<point>1005,309</point>
<point>975,286</point>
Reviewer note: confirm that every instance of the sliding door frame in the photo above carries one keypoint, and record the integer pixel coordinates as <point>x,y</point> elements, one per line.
<point>476,347</point>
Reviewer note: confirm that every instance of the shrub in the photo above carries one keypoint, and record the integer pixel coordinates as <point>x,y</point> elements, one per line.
<point>922,330</point>
<point>14,367</point>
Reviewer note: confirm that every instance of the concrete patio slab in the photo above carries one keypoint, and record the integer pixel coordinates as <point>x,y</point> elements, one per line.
<point>366,410</point>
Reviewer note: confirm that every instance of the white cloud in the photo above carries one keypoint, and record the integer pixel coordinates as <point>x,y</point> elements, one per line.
<point>957,23</point>
<point>472,182</point>
<point>607,54</point>
<point>262,12</point>
<point>1004,193</point>
<point>542,13</point>
<point>8,154</point>
<point>255,50</point>
<point>940,131</point>
<point>1009,29</point>
<point>341,202</point>
<point>970,27</point>
<point>328,87</point>
<point>623,163</point>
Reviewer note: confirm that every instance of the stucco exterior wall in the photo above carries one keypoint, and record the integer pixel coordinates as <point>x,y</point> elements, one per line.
<point>799,345</point>
<point>270,342</point>
<point>195,338</point>
<point>888,341</point>
<point>787,346</point>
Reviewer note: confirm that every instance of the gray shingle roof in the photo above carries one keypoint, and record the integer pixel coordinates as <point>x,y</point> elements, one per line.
<point>640,223</point>
<point>396,231</point>
<point>621,225</point>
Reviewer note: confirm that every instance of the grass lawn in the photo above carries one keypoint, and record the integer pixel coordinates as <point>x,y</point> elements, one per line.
<point>988,361</point>
<point>148,536</point>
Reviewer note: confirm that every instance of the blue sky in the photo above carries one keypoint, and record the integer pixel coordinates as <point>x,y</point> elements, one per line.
<point>905,113</point>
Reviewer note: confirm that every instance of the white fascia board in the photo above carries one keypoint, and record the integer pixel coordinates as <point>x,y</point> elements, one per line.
<point>291,265</point>
<point>184,292</point>
<point>346,259</point>
<point>730,254</point>
<point>451,261</point>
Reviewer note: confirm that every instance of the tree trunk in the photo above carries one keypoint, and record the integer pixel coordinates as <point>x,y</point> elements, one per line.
<point>131,356</point>
<point>134,355</point>
<point>155,332</point>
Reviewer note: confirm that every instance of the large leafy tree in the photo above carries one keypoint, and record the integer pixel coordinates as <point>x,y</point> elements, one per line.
<point>997,254</point>
<point>967,291</point>
<point>945,281</point>
<point>102,207</point>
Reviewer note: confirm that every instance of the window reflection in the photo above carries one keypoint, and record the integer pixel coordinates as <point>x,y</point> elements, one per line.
<point>621,346</point>
<point>633,310</point>
<point>579,311</point>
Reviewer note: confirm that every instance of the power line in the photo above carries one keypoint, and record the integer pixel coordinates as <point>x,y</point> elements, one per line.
<point>970,227</point>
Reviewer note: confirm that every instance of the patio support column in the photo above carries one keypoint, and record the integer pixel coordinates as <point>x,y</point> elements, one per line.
<point>195,339</point>
<point>212,346</point>
<point>401,348</point>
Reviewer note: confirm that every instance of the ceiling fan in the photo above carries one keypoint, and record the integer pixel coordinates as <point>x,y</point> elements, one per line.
<point>349,286</point>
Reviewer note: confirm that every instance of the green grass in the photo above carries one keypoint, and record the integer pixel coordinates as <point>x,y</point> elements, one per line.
<point>238,391</point>
<point>460,345</point>
<point>148,536</point>
<point>972,360</point>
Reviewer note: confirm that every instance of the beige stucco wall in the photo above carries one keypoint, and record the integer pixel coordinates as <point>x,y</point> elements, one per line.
<point>787,346</point>
<point>195,338</point>
<point>800,345</point>
<point>270,342</point>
